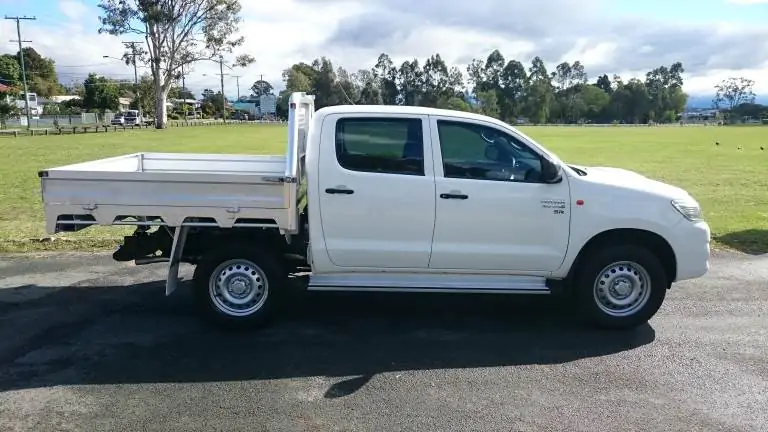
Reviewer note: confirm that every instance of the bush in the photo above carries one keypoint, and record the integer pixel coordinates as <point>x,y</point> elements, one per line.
<point>174,116</point>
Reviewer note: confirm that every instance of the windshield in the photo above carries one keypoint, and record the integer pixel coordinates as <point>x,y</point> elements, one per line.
<point>118,115</point>
<point>130,114</point>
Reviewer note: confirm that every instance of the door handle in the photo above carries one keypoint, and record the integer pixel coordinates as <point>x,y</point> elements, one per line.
<point>453,196</point>
<point>339,191</point>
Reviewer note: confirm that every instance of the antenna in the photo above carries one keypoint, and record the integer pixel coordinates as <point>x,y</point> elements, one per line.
<point>345,93</point>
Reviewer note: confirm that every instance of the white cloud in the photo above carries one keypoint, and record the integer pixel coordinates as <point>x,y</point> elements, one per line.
<point>73,9</point>
<point>354,33</point>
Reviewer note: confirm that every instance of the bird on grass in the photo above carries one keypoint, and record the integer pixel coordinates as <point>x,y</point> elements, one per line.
<point>762,148</point>
<point>717,143</point>
<point>739,147</point>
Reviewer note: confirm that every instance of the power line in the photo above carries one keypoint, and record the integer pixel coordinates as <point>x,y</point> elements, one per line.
<point>18,20</point>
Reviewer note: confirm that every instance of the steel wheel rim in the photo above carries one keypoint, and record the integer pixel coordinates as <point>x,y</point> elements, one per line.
<point>238,287</point>
<point>622,288</point>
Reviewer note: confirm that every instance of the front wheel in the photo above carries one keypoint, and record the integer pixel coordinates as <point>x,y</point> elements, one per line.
<point>236,287</point>
<point>621,286</point>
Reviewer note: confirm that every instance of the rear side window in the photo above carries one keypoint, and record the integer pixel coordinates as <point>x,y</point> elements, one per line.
<point>381,145</point>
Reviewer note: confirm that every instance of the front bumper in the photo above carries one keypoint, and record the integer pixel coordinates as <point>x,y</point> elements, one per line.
<point>691,243</point>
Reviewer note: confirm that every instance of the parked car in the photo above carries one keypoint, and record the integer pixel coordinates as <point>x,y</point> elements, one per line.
<point>118,119</point>
<point>240,115</point>
<point>393,199</point>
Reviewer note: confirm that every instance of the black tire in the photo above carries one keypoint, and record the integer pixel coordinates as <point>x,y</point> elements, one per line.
<point>643,265</point>
<point>250,266</point>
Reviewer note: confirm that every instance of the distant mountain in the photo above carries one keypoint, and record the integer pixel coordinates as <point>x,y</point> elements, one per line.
<point>705,101</point>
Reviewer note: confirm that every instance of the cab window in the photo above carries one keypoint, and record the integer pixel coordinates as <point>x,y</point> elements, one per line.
<point>381,145</point>
<point>478,152</point>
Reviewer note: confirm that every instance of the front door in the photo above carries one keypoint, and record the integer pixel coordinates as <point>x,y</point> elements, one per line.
<point>377,190</point>
<point>492,211</point>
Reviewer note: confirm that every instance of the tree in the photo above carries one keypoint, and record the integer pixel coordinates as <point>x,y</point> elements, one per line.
<point>595,101</point>
<point>10,72</point>
<point>514,82</point>
<point>488,103</point>
<point>41,73</point>
<point>734,91</point>
<point>143,97</point>
<point>177,33</point>
<point>604,84</point>
<point>72,106</point>
<point>185,93</point>
<point>540,93</point>
<point>499,87</point>
<point>8,108</point>
<point>411,82</point>
<point>664,87</point>
<point>212,103</point>
<point>260,88</point>
<point>385,73</point>
<point>101,93</point>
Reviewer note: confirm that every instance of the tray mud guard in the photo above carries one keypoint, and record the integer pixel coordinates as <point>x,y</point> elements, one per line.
<point>179,237</point>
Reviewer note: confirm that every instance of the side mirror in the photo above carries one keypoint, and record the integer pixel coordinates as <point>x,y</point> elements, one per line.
<point>492,153</point>
<point>550,172</point>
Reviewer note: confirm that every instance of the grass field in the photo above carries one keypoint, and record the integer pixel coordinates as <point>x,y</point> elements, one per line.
<point>731,184</point>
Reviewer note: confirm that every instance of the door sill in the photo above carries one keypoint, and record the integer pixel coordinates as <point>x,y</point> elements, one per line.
<point>439,283</point>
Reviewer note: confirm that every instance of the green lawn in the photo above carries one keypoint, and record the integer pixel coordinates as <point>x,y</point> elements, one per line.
<point>731,184</point>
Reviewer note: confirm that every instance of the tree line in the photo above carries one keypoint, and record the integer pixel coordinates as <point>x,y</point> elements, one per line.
<point>178,34</point>
<point>510,90</point>
<point>501,88</point>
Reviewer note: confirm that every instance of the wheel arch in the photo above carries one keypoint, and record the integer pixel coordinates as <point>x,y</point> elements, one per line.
<point>652,241</point>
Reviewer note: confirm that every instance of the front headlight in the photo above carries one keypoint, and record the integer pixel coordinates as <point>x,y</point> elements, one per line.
<point>689,208</point>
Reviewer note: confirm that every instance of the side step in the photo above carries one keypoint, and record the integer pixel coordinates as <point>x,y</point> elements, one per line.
<point>441,283</point>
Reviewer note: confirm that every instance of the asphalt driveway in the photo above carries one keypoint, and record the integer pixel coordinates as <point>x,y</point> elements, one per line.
<point>87,344</point>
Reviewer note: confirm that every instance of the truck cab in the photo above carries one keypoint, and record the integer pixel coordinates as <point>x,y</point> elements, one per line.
<point>403,199</point>
<point>132,117</point>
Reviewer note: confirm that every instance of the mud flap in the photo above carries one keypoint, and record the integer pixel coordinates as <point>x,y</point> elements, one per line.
<point>172,281</point>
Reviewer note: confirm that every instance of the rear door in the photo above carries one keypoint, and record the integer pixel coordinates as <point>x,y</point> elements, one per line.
<point>377,190</point>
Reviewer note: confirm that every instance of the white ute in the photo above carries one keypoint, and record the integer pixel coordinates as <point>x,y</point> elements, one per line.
<point>392,198</point>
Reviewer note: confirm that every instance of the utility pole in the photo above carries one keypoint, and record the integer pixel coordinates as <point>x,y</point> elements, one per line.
<point>184,89</point>
<point>134,53</point>
<point>21,60</point>
<point>223,98</point>
<point>237,78</point>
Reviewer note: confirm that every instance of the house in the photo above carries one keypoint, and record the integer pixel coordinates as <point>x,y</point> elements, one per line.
<point>64,98</point>
<point>192,106</point>
<point>124,104</point>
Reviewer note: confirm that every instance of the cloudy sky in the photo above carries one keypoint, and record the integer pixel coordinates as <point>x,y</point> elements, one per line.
<point>713,38</point>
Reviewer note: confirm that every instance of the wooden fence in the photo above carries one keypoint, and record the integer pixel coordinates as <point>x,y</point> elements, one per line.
<point>96,128</point>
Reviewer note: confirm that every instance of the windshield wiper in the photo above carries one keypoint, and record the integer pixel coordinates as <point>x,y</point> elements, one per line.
<point>581,172</point>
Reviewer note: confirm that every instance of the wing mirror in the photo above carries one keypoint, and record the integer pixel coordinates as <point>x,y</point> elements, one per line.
<point>550,171</point>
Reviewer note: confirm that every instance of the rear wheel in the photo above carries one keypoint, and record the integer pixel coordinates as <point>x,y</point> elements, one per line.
<point>236,287</point>
<point>621,286</point>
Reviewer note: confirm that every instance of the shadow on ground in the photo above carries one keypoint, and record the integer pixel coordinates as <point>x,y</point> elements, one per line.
<point>117,335</point>
<point>751,241</point>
